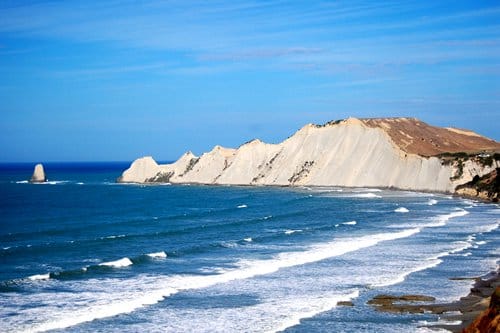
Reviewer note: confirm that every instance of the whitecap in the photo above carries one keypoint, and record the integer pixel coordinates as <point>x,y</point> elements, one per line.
<point>488,228</point>
<point>248,239</point>
<point>113,236</point>
<point>401,210</point>
<point>291,231</point>
<point>54,182</point>
<point>460,246</point>
<point>326,304</point>
<point>432,202</point>
<point>157,255</point>
<point>80,183</point>
<point>367,195</point>
<point>167,286</point>
<point>436,221</point>
<point>367,190</point>
<point>242,206</point>
<point>39,277</point>
<point>441,220</point>
<point>229,245</point>
<point>123,262</point>
<point>389,281</point>
<point>22,182</point>
<point>481,242</point>
<point>350,223</point>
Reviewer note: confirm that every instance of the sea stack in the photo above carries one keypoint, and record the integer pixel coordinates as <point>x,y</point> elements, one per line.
<point>38,174</point>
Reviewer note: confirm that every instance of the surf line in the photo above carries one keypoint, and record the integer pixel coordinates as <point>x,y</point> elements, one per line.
<point>247,269</point>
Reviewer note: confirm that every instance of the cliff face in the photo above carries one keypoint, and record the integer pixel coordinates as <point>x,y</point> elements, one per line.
<point>368,152</point>
<point>489,320</point>
<point>486,187</point>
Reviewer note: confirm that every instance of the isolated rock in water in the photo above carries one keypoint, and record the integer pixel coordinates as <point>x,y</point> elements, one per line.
<point>38,174</point>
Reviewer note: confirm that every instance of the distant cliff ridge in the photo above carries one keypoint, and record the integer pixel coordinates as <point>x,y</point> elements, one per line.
<point>402,153</point>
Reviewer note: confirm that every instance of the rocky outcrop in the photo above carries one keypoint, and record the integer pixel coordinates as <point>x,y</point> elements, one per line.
<point>38,174</point>
<point>385,152</point>
<point>486,187</point>
<point>489,320</point>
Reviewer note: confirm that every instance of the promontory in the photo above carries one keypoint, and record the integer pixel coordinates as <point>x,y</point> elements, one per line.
<point>402,153</point>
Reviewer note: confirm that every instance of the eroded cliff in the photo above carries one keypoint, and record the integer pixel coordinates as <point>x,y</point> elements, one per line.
<point>403,153</point>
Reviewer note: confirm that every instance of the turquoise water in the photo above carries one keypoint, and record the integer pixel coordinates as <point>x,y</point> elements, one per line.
<point>83,254</point>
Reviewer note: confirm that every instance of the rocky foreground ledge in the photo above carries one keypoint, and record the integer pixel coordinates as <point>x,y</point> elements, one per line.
<point>479,312</point>
<point>403,153</point>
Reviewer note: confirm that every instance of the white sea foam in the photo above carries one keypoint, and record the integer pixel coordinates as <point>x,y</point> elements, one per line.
<point>401,210</point>
<point>157,255</point>
<point>164,287</point>
<point>248,239</point>
<point>481,242</point>
<point>350,223</point>
<point>80,183</point>
<point>229,245</point>
<point>366,195</point>
<point>123,262</point>
<point>291,231</point>
<point>488,228</point>
<point>113,236</point>
<point>428,327</point>
<point>459,247</point>
<point>389,281</point>
<point>55,182</point>
<point>331,190</point>
<point>325,304</point>
<point>432,202</point>
<point>442,220</point>
<point>39,277</point>
<point>242,206</point>
<point>22,182</point>
<point>367,190</point>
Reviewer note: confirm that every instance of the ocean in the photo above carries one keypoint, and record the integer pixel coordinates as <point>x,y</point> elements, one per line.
<point>84,254</point>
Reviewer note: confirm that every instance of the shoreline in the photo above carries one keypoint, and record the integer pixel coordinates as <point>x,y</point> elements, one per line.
<point>472,305</point>
<point>466,309</point>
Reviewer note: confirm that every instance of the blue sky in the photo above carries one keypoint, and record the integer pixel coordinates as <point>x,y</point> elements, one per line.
<point>115,80</point>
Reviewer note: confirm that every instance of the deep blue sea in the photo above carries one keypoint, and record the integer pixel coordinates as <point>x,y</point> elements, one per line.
<point>84,254</point>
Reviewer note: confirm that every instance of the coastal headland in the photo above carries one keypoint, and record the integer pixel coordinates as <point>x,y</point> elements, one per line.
<point>401,153</point>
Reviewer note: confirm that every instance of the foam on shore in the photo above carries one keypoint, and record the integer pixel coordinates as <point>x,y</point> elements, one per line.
<point>167,286</point>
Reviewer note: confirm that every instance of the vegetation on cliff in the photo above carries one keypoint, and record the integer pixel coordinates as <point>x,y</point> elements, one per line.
<point>486,187</point>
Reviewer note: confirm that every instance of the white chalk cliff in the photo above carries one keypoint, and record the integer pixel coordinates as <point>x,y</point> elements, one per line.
<point>403,153</point>
<point>38,174</point>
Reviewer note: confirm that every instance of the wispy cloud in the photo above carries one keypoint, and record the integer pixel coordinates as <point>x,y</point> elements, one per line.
<point>96,72</point>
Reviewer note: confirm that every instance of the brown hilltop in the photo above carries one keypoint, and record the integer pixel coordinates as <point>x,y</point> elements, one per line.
<point>416,137</point>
